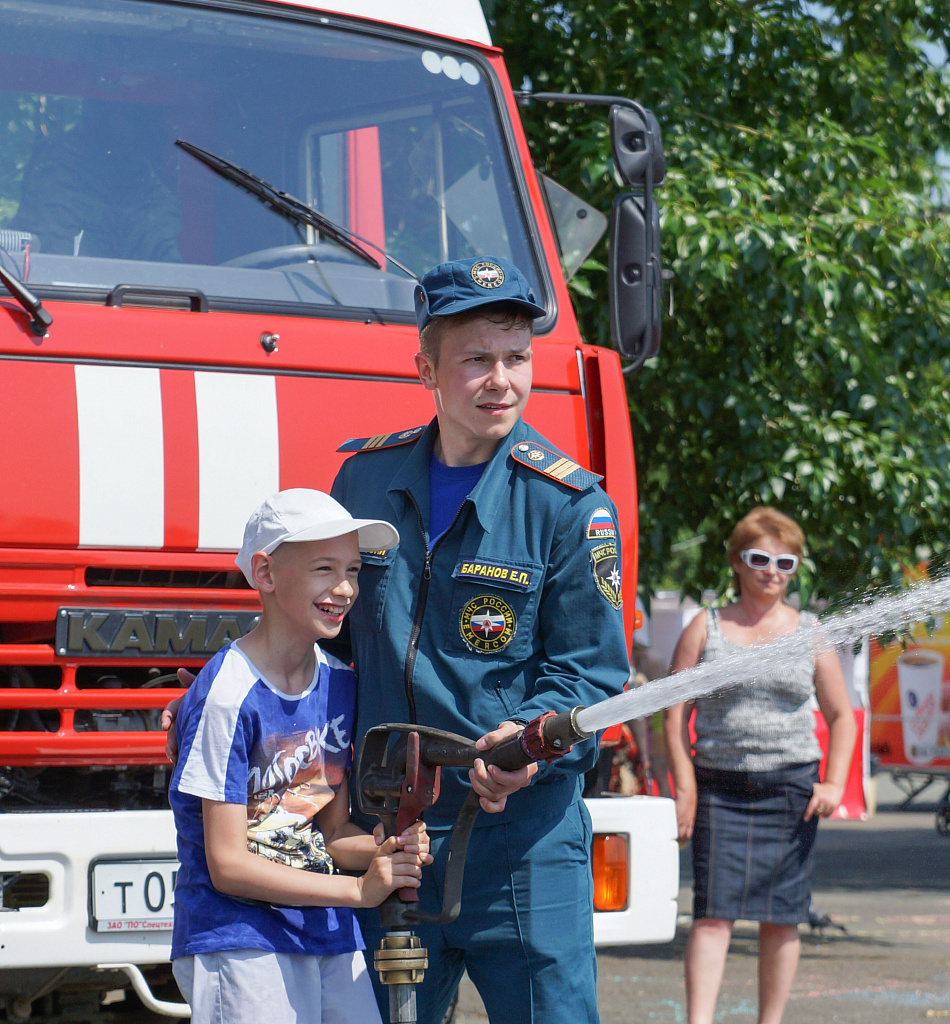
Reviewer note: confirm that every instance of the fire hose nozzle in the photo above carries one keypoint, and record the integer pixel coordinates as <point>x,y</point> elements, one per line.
<point>398,772</point>
<point>545,738</point>
<point>551,735</point>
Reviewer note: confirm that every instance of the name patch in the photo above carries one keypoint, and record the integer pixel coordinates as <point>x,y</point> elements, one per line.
<point>487,624</point>
<point>514,576</point>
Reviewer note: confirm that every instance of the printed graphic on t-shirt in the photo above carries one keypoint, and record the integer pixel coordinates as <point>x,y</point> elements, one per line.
<point>290,779</point>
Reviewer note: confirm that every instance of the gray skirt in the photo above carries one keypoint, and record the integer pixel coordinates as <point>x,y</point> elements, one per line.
<point>752,848</point>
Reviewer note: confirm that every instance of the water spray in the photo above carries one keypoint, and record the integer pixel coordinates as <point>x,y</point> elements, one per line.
<point>889,614</point>
<point>398,766</point>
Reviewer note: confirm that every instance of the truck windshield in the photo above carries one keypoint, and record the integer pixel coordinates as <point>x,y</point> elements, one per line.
<point>399,143</point>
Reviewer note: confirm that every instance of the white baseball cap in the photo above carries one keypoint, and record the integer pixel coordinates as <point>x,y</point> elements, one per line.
<point>300,514</point>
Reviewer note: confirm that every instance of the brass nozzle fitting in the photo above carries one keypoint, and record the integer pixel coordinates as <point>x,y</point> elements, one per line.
<point>401,960</point>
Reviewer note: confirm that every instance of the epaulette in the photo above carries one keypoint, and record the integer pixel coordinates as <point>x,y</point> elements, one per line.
<point>553,464</point>
<point>372,444</point>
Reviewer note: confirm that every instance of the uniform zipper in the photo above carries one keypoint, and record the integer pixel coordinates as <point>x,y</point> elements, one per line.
<point>413,649</point>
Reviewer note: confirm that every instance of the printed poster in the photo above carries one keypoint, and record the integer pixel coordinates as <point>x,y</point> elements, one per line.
<point>910,700</point>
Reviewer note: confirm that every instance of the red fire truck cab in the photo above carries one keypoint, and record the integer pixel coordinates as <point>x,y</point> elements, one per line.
<point>212,215</point>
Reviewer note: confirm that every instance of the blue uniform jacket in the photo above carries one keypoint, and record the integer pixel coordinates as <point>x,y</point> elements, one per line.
<point>516,610</point>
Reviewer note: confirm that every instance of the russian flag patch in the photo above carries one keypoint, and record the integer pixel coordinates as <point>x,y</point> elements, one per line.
<point>601,525</point>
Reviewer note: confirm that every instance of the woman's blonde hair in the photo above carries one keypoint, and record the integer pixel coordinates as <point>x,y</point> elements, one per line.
<point>764,521</point>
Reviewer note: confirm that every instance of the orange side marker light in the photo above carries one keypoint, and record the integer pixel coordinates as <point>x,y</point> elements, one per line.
<point>609,863</point>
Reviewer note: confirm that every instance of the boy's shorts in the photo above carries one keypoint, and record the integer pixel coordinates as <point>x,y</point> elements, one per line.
<point>249,986</point>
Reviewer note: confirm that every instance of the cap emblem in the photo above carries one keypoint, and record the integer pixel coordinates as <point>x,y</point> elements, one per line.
<point>487,275</point>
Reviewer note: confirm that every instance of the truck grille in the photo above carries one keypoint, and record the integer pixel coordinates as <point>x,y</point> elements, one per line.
<point>88,654</point>
<point>184,579</point>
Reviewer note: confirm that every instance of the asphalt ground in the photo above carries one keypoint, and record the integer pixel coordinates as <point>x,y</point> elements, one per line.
<point>886,881</point>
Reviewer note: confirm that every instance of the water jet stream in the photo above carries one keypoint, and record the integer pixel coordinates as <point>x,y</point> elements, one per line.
<point>889,614</point>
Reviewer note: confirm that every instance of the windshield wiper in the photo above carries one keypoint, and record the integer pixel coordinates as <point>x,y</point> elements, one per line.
<point>288,206</point>
<point>42,318</point>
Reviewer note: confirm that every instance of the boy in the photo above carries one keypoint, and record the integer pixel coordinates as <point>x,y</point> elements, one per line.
<point>259,790</point>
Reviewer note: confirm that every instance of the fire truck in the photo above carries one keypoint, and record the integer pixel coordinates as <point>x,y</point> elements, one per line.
<point>212,217</point>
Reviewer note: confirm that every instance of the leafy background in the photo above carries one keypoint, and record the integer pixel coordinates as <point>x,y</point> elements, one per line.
<point>806,361</point>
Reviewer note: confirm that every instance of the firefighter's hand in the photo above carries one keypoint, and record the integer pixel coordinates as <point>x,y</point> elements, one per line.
<point>171,713</point>
<point>493,785</point>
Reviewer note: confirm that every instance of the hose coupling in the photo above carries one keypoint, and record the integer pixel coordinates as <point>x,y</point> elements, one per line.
<point>401,960</point>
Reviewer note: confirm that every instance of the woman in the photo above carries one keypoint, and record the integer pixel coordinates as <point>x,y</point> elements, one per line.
<point>750,798</point>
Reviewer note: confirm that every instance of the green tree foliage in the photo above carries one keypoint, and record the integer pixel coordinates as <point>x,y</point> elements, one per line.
<point>807,360</point>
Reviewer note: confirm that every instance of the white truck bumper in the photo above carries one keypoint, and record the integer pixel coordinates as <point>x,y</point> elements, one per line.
<point>63,847</point>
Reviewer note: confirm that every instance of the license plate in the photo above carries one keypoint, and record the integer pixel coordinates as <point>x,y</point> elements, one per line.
<point>132,896</point>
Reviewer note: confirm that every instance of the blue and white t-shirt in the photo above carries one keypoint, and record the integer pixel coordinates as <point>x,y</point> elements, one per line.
<point>243,741</point>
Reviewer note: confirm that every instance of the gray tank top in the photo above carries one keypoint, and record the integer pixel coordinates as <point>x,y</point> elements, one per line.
<point>763,723</point>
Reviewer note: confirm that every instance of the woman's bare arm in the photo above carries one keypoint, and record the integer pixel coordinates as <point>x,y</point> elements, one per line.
<point>832,694</point>
<point>689,651</point>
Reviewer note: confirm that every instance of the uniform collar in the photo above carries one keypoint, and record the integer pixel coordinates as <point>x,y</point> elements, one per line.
<point>488,495</point>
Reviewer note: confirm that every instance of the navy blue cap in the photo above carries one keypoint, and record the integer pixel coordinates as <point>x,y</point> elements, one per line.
<point>465,284</point>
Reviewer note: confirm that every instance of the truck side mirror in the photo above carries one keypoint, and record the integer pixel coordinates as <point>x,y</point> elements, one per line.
<point>637,146</point>
<point>635,279</point>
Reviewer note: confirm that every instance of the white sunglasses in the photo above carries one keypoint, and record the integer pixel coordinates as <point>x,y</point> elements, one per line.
<point>756,559</point>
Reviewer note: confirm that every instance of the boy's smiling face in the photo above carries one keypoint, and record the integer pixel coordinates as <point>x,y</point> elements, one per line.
<point>313,584</point>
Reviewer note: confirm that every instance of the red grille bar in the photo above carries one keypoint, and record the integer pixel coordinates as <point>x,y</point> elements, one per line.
<point>67,748</point>
<point>105,699</point>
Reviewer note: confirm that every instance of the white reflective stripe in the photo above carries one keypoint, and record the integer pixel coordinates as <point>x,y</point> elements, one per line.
<point>121,461</point>
<point>238,453</point>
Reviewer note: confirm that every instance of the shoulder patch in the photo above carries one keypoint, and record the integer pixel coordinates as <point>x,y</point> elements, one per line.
<point>601,525</point>
<point>372,444</point>
<point>553,464</point>
<point>606,570</point>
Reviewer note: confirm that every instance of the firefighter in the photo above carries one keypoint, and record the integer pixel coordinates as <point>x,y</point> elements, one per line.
<point>502,601</point>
